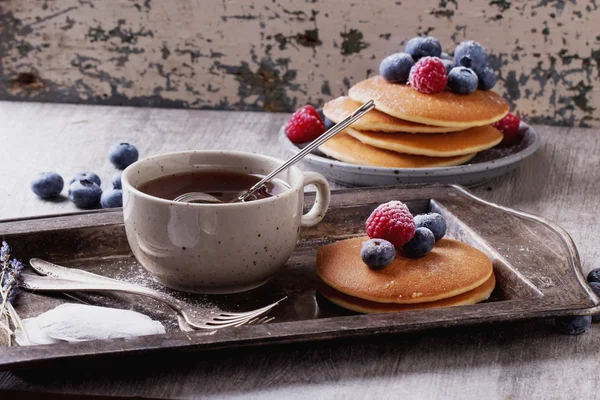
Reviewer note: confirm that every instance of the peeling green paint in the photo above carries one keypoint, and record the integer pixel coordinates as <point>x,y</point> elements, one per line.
<point>270,83</point>
<point>277,55</point>
<point>353,42</point>
<point>126,35</point>
<point>309,38</point>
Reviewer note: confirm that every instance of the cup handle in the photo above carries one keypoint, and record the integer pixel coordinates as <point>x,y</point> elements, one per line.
<point>321,204</point>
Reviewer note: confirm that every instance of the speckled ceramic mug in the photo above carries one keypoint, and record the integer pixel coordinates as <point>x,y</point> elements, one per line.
<point>217,248</point>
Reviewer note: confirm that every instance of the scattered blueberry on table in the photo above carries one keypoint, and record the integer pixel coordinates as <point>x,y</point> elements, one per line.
<point>90,176</point>
<point>116,180</point>
<point>112,198</point>
<point>434,222</point>
<point>573,325</point>
<point>85,194</point>
<point>47,185</point>
<point>421,244</point>
<point>596,288</point>
<point>122,155</point>
<point>377,253</point>
<point>85,187</point>
<point>594,275</point>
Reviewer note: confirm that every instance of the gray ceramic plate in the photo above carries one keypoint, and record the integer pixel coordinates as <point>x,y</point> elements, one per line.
<point>485,166</point>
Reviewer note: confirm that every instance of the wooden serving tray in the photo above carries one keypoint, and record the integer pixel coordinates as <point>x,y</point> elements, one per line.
<point>536,265</point>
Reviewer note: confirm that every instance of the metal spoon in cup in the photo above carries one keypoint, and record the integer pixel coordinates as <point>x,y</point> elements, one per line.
<point>200,197</point>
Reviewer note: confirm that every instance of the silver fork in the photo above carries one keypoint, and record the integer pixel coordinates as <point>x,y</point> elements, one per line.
<point>61,279</point>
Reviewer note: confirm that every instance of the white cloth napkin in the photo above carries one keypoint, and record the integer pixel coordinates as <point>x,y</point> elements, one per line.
<point>77,322</point>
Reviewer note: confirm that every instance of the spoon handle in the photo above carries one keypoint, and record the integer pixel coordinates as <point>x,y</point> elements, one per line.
<point>334,130</point>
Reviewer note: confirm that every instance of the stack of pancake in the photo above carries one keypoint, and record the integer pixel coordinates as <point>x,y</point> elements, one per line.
<point>452,274</point>
<point>409,129</point>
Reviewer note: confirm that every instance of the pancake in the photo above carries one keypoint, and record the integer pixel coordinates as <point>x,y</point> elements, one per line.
<point>338,109</point>
<point>460,143</point>
<point>450,269</point>
<point>482,107</point>
<point>477,295</point>
<point>345,148</point>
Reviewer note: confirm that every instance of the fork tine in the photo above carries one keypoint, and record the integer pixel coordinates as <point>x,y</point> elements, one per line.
<point>239,321</point>
<point>225,320</point>
<point>225,315</point>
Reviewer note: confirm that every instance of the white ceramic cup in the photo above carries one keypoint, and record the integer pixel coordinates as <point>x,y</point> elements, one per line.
<point>217,248</point>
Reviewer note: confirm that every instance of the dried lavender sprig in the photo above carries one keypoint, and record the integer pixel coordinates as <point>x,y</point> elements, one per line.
<point>4,252</point>
<point>4,257</point>
<point>9,287</point>
<point>17,320</point>
<point>10,283</point>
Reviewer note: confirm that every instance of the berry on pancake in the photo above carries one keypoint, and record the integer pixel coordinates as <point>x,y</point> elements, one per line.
<point>471,54</point>
<point>305,125</point>
<point>393,222</point>
<point>434,222</point>
<point>509,126</point>
<point>428,75</point>
<point>462,80</point>
<point>377,253</point>
<point>396,68</point>
<point>420,47</point>
<point>487,78</point>
<point>420,245</point>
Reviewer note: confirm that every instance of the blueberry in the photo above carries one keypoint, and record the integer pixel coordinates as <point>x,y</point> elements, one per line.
<point>462,80</point>
<point>328,123</point>
<point>434,222</point>
<point>421,244</point>
<point>122,155</point>
<point>90,176</point>
<point>487,78</point>
<point>420,47</point>
<point>596,288</point>
<point>573,325</point>
<point>446,56</point>
<point>85,194</point>
<point>594,275</point>
<point>116,179</point>
<point>112,198</point>
<point>377,253</point>
<point>471,54</point>
<point>47,184</point>
<point>449,64</point>
<point>396,68</point>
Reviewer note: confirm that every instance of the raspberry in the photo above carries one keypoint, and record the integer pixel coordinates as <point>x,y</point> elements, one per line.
<point>429,75</point>
<point>392,222</point>
<point>305,125</point>
<point>509,126</point>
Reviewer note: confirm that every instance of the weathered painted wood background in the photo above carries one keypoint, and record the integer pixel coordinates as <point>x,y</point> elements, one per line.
<point>276,55</point>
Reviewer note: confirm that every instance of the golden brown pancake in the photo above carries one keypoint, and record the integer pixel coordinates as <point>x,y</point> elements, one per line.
<point>345,148</point>
<point>450,269</point>
<point>481,107</point>
<point>338,109</point>
<point>460,143</point>
<point>477,295</point>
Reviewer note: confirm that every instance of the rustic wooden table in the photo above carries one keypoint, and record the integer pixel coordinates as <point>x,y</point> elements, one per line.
<point>507,361</point>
